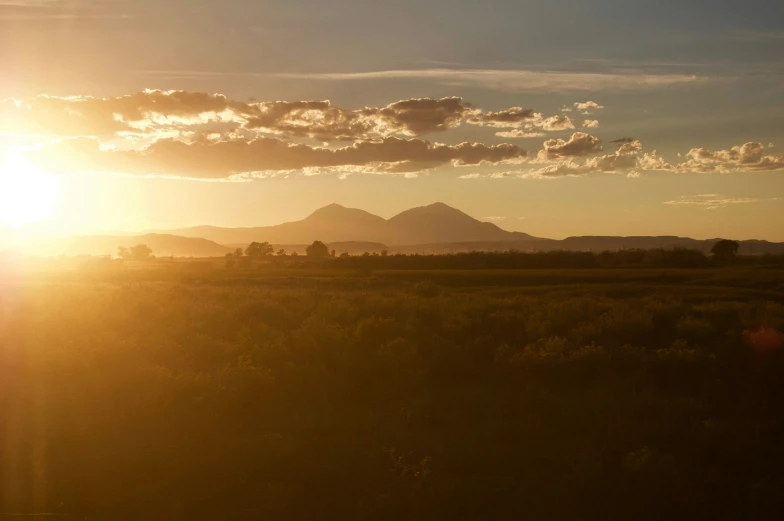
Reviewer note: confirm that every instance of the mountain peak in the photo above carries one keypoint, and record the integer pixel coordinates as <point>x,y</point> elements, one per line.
<point>335,213</point>
<point>329,209</point>
<point>435,208</point>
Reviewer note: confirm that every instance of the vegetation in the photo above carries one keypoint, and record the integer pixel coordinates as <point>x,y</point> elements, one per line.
<point>725,250</point>
<point>140,252</point>
<point>258,250</point>
<point>182,390</point>
<point>676,258</point>
<point>318,250</point>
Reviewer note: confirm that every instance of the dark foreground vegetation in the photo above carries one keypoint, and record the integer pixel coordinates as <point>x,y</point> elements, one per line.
<point>187,393</point>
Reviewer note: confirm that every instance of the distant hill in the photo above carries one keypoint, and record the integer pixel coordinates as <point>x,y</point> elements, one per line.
<point>334,223</point>
<point>162,245</point>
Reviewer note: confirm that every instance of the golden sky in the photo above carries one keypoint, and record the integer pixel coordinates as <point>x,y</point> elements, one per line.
<point>118,115</point>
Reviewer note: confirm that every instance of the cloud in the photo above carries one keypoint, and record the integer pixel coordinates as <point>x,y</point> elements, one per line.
<point>568,168</point>
<point>56,10</point>
<point>494,175</point>
<point>510,118</point>
<point>523,123</point>
<point>518,133</point>
<point>222,159</point>
<point>628,159</point>
<point>555,123</point>
<point>494,218</point>
<point>612,162</point>
<point>652,161</point>
<point>757,35</point>
<point>710,201</point>
<point>151,110</point>
<point>749,157</point>
<point>629,147</point>
<point>586,106</point>
<point>580,144</point>
<point>210,136</point>
<point>322,121</point>
<point>156,114</point>
<point>90,116</point>
<point>512,80</point>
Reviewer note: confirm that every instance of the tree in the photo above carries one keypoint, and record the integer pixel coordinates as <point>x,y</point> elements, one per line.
<point>333,253</point>
<point>257,250</point>
<point>281,252</point>
<point>384,253</point>
<point>141,252</point>
<point>317,250</point>
<point>725,250</point>
<point>238,253</point>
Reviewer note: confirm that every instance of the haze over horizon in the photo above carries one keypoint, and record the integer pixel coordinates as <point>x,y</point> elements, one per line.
<point>552,118</point>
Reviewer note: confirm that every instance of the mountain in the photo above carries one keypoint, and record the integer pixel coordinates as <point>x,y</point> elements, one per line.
<point>438,223</point>
<point>334,223</point>
<point>434,228</point>
<point>162,245</point>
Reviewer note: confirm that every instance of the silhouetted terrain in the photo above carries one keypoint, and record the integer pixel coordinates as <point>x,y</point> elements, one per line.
<point>334,223</point>
<point>433,229</point>
<point>438,228</point>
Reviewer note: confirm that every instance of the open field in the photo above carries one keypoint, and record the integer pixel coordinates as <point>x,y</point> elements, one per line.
<point>191,391</point>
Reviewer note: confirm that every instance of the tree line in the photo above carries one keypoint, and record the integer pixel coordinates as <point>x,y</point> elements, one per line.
<point>723,252</point>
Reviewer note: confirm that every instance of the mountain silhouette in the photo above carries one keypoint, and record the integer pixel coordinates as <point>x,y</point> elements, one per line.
<point>441,223</point>
<point>435,228</point>
<point>335,223</point>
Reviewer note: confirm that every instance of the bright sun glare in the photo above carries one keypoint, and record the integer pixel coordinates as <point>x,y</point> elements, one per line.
<point>27,195</point>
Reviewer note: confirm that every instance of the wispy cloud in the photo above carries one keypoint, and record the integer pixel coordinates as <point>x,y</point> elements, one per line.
<point>710,201</point>
<point>58,10</point>
<point>512,80</point>
<point>757,35</point>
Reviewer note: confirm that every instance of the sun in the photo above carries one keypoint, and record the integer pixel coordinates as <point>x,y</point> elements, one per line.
<point>27,195</point>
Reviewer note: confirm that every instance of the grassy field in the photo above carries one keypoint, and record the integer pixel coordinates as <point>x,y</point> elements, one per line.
<point>189,391</point>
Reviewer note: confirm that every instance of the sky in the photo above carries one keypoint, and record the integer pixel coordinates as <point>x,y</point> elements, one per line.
<point>557,118</point>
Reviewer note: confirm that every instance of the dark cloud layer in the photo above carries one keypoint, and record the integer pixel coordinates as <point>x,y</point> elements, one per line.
<point>222,159</point>
<point>510,118</point>
<point>322,121</point>
<point>156,112</point>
